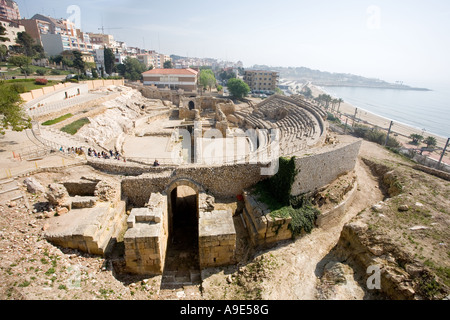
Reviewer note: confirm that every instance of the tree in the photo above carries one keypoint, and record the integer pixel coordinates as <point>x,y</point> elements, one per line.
<point>27,43</point>
<point>168,64</point>
<point>2,34</point>
<point>94,73</point>
<point>39,52</point>
<point>279,91</point>
<point>78,62</point>
<point>238,88</point>
<point>11,113</point>
<point>3,52</point>
<point>110,60</point>
<point>207,79</point>
<point>131,69</point>
<point>416,138</point>
<point>21,61</point>
<point>430,142</point>
<point>226,75</point>
<point>339,101</point>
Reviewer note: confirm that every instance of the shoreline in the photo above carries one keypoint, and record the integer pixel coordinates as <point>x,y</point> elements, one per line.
<point>405,88</point>
<point>409,126</point>
<point>401,131</point>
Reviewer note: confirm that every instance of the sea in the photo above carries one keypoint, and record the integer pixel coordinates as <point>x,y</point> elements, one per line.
<point>424,110</point>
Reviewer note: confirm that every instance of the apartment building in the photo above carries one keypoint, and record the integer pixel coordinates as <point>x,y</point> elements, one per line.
<point>56,35</point>
<point>185,79</point>
<point>154,59</point>
<point>9,10</point>
<point>12,29</point>
<point>261,80</point>
<point>103,40</point>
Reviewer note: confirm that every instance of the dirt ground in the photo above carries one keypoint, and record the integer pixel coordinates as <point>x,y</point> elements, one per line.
<point>32,268</point>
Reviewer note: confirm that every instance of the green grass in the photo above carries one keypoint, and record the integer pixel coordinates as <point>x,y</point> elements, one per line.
<point>13,71</point>
<point>57,120</point>
<point>75,126</point>
<point>26,85</point>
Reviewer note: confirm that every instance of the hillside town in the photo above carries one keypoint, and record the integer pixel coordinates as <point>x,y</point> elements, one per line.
<point>56,39</point>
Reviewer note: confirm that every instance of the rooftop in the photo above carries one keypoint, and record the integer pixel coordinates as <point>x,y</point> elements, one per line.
<point>187,71</point>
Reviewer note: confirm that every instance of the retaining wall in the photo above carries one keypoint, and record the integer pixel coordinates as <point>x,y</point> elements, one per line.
<point>322,166</point>
<point>221,181</point>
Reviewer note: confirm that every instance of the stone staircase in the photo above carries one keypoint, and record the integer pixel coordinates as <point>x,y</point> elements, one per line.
<point>10,190</point>
<point>182,278</point>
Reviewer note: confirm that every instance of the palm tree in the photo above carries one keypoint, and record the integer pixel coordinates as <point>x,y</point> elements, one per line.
<point>339,101</point>
<point>430,142</point>
<point>416,138</point>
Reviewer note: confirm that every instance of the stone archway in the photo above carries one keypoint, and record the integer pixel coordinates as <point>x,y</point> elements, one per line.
<point>191,105</point>
<point>182,255</point>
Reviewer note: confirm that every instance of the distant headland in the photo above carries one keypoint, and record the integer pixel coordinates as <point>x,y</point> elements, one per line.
<point>328,79</point>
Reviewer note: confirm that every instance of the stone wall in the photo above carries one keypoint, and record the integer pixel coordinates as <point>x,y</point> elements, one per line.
<point>148,233</point>
<point>90,85</point>
<point>146,238</point>
<point>263,229</point>
<point>74,109</point>
<point>332,217</point>
<point>220,181</point>
<point>438,173</point>
<point>217,239</point>
<point>318,167</point>
<point>153,93</point>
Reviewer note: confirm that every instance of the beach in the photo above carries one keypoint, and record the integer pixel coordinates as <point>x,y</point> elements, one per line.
<point>400,131</point>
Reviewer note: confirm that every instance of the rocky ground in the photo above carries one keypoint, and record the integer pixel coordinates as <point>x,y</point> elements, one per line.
<point>312,267</point>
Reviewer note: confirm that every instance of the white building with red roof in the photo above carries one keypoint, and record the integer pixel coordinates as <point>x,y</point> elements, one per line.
<point>174,79</point>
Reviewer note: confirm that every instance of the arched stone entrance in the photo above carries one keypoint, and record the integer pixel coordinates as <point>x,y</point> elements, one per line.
<point>191,105</point>
<point>182,256</point>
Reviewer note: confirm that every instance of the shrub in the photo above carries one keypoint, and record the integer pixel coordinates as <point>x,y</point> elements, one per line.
<point>375,135</point>
<point>18,87</point>
<point>26,70</point>
<point>276,193</point>
<point>41,81</point>
<point>332,118</point>
<point>280,185</point>
<point>41,72</point>
<point>55,72</point>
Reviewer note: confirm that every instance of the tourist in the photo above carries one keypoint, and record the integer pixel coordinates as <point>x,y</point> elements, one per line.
<point>156,163</point>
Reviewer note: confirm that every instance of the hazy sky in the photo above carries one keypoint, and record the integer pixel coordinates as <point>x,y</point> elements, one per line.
<point>405,40</point>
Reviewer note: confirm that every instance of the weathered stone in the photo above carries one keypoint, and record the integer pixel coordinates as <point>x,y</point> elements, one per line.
<point>33,186</point>
<point>334,272</point>
<point>377,208</point>
<point>415,228</point>
<point>57,194</point>
<point>62,210</point>
<point>83,202</point>
<point>403,208</point>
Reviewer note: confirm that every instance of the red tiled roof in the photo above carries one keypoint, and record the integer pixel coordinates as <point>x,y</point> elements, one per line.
<point>172,71</point>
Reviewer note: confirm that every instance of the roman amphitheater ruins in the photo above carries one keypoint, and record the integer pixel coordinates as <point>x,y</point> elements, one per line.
<point>166,162</point>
